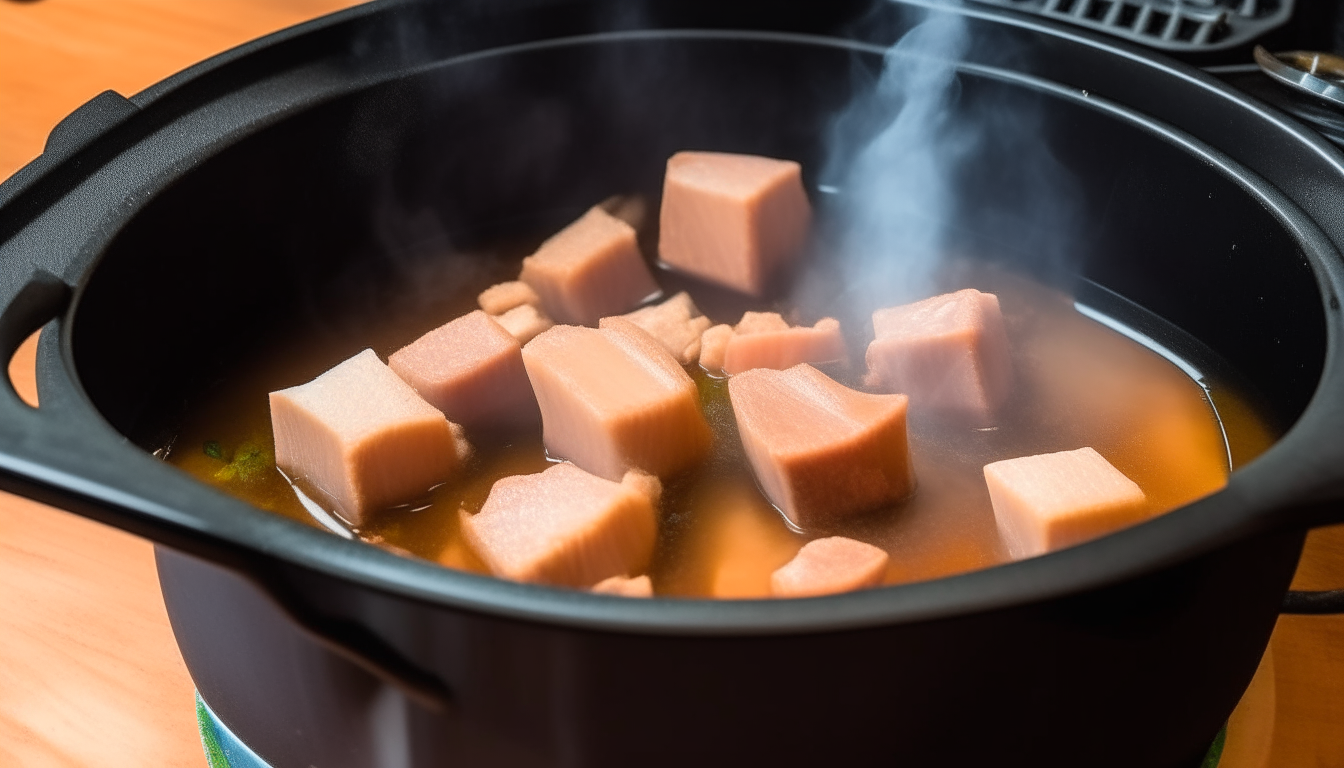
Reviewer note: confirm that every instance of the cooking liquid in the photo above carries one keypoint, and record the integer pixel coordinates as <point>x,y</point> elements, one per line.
<point>1078,383</point>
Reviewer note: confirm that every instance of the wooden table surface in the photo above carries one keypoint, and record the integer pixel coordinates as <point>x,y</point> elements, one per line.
<point>89,672</point>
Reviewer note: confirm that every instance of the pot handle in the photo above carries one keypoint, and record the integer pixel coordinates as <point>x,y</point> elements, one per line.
<point>1313,602</point>
<point>25,469</point>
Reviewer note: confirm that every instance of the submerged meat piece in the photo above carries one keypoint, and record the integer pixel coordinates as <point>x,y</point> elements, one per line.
<point>829,566</point>
<point>524,322</point>
<point>1055,500</point>
<point>820,450</point>
<point>735,220</point>
<point>765,340</point>
<point>713,347</point>
<point>502,297</point>
<point>675,323</point>
<point>612,399</point>
<point>362,438</point>
<point>471,369</point>
<point>949,353</point>
<point>589,270</point>
<point>624,586</point>
<point>564,527</point>
<point>632,209</point>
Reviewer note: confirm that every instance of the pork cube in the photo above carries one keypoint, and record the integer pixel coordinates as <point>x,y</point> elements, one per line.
<point>612,399</point>
<point>765,340</point>
<point>562,526</point>
<point>949,353</point>
<point>589,270</point>
<point>830,566</point>
<point>624,586</point>
<point>502,297</point>
<point>1055,500</point>
<point>361,438</point>
<point>821,451</point>
<point>675,323</point>
<point>735,220</point>
<point>471,369</point>
<point>713,348</point>
<point>524,322</point>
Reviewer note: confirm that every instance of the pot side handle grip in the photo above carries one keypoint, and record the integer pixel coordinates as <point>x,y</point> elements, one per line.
<point>73,133</point>
<point>43,297</point>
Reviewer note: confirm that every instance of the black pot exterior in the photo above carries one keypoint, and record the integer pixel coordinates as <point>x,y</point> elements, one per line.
<point>1127,651</point>
<point>1143,673</point>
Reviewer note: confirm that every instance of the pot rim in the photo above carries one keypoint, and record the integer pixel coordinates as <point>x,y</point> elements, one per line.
<point>1259,497</point>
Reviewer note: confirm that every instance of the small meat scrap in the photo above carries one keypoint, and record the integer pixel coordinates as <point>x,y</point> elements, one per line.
<point>362,438</point>
<point>821,451</point>
<point>735,220</point>
<point>675,323</point>
<point>830,566</point>
<point>765,340</point>
<point>471,369</point>
<point>713,348</point>
<point>589,270</point>
<point>563,527</point>
<point>612,399</point>
<point>524,322</point>
<point>624,586</point>
<point>949,353</point>
<point>1055,500</point>
<point>502,297</point>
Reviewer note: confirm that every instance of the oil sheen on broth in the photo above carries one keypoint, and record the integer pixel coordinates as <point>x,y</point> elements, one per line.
<point>1079,383</point>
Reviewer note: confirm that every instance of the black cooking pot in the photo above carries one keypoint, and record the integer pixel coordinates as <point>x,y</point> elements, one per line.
<point>295,183</point>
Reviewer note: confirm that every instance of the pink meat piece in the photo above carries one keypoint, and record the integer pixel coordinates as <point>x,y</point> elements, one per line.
<point>1055,500</point>
<point>563,527</point>
<point>362,439</point>
<point>949,353</point>
<point>713,348</point>
<point>765,340</point>
<point>735,220</point>
<point>624,586</point>
<point>675,323</point>
<point>589,270</point>
<point>612,399</point>
<point>821,451</point>
<point>830,566</point>
<point>502,297</point>
<point>471,369</point>
<point>524,322</point>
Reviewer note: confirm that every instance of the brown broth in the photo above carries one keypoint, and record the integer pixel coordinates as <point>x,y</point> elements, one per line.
<point>1078,383</point>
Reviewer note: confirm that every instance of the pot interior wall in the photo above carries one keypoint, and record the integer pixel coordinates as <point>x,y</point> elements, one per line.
<point>385,202</point>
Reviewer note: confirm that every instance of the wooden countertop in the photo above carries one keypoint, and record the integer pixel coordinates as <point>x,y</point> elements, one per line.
<point>89,672</point>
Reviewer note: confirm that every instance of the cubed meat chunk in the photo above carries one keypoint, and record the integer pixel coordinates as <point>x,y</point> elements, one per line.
<point>362,439</point>
<point>501,297</point>
<point>830,566</point>
<point>612,399</point>
<point>1055,500</point>
<point>563,527</point>
<point>765,340</point>
<point>821,451</point>
<point>471,369</point>
<point>675,323</point>
<point>589,270</point>
<point>624,586</point>
<point>735,220</point>
<point>524,322</point>
<point>948,353</point>
<point>713,348</point>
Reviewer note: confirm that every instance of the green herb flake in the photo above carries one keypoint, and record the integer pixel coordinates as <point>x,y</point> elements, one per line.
<point>252,460</point>
<point>213,450</point>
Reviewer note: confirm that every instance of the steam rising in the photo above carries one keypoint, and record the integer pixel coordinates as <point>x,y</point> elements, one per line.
<point>898,185</point>
<point>900,157</point>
